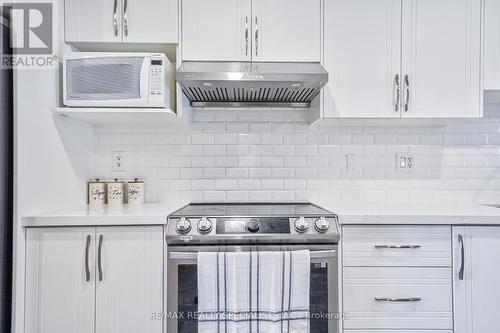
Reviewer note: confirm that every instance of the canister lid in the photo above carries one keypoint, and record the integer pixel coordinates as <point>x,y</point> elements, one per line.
<point>136,181</point>
<point>97,181</point>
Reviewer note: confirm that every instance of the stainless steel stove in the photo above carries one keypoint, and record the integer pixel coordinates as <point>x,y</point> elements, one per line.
<point>256,223</point>
<point>251,227</point>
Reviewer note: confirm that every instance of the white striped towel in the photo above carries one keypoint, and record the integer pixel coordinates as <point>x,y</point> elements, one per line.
<point>253,292</point>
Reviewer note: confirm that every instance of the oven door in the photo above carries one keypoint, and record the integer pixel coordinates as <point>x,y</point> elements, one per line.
<point>182,285</point>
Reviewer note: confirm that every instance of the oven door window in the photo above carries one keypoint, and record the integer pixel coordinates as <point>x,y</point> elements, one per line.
<point>188,298</point>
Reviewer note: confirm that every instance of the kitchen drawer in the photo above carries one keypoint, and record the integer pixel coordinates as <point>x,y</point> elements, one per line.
<point>396,246</point>
<point>432,285</point>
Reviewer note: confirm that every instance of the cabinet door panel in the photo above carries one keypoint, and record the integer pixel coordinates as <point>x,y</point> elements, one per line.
<point>362,56</point>
<point>441,56</point>
<point>150,21</point>
<point>491,44</point>
<point>476,296</point>
<point>215,30</point>
<point>93,21</point>
<point>131,286</point>
<point>59,299</point>
<point>288,30</point>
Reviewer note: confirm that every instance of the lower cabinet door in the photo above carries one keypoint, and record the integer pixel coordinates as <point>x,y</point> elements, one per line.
<point>60,285</point>
<point>129,270</point>
<point>476,251</point>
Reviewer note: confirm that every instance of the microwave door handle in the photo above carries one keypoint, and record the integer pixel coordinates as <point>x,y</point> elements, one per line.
<point>144,80</point>
<point>194,255</point>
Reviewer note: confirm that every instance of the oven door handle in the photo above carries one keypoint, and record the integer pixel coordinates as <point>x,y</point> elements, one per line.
<point>194,255</point>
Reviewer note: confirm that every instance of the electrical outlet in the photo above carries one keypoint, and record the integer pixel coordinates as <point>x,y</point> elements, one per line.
<point>405,162</point>
<point>119,161</point>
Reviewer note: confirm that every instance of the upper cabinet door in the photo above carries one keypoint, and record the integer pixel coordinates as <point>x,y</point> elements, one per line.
<point>442,58</point>
<point>93,20</point>
<point>286,30</point>
<point>60,285</point>
<point>218,30</point>
<point>491,44</point>
<point>362,55</point>
<point>129,279</point>
<point>150,21</point>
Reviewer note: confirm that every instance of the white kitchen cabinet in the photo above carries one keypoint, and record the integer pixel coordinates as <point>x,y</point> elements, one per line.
<point>397,278</point>
<point>441,56</point>
<point>93,20</point>
<point>286,30</point>
<point>362,57</point>
<point>132,21</point>
<point>129,279</point>
<point>491,48</point>
<point>216,30</point>
<point>60,282</point>
<point>403,58</point>
<point>94,280</point>
<point>477,291</point>
<point>246,30</point>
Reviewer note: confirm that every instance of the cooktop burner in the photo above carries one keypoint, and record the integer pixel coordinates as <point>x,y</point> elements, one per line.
<point>216,223</point>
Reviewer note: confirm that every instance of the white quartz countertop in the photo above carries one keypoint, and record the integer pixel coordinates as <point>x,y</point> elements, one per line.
<point>141,214</point>
<point>349,213</point>
<point>398,213</point>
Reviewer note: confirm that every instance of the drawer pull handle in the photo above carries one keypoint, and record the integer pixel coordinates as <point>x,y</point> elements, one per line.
<point>388,299</point>
<point>462,258</point>
<point>397,246</point>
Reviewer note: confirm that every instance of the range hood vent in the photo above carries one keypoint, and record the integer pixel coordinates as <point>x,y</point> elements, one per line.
<point>244,84</point>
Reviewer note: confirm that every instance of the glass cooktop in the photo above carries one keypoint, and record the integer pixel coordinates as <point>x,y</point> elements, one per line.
<point>252,209</point>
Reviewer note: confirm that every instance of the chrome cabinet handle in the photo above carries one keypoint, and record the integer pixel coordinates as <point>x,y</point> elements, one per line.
<point>256,37</point>
<point>397,83</point>
<point>246,35</point>
<point>388,299</point>
<point>115,20</point>
<point>407,85</point>
<point>99,257</point>
<point>398,246</point>
<point>462,259</point>
<point>87,249</point>
<point>125,22</point>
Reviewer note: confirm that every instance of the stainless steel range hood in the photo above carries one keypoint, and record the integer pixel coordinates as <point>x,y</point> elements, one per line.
<point>243,84</point>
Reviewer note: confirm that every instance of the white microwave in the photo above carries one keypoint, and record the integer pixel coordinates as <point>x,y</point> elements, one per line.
<point>118,79</point>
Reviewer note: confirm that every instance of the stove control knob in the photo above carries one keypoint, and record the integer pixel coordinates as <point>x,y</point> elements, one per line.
<point>204,226</point>
<point>322,225</point>
<point>253,225</point>
<point>183,226</point>
<point>301,225</point>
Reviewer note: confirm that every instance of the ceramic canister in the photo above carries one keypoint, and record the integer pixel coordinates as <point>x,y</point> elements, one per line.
<point>135,192</point>
<point>116,192</point>
<point>96,192</point>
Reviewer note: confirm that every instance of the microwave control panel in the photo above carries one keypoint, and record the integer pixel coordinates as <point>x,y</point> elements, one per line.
<point>156,77</point>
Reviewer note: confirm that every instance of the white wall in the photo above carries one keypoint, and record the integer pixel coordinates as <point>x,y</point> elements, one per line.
<point>253,155</point>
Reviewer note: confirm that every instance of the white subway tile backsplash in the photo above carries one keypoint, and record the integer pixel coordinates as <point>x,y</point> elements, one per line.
<point>264,155</point>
